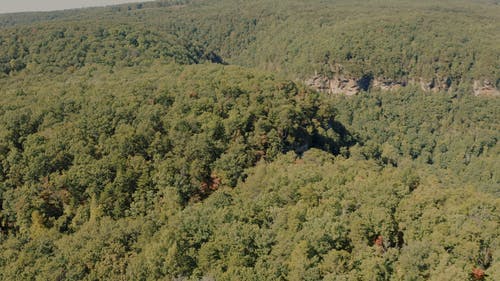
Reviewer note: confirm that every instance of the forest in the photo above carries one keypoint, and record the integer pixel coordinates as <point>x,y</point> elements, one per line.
<point>180,140</point>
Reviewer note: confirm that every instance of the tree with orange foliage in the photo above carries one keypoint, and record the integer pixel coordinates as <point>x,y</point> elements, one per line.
<point>379,241</point>
<point>478,274</point>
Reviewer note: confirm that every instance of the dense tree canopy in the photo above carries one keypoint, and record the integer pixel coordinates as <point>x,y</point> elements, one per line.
<point>453,41</point>
<point>176,140</point>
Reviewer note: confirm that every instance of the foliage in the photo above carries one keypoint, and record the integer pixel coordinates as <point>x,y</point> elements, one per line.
<point>452,42</point>
<point>174,141</point>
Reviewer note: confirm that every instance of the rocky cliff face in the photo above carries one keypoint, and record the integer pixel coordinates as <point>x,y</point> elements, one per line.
<point>340,84</point>
<point>335,85</point>
<point>435,85</point>
<point>387,85</point>
<point>485,88</point>
<point>349,86</point>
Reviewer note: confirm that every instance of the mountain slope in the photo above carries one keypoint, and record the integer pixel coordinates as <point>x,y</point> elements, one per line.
<point>449,44</point>
<point>217,140</point>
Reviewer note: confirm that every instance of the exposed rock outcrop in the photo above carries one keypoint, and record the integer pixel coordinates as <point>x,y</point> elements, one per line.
<point>434,85</point>
<point>335,85</point>
<point>485,88</point>
<point>349,86</point>
<point>388,85</point>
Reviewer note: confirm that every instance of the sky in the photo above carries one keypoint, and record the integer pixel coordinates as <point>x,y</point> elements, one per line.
<point>11,6</point>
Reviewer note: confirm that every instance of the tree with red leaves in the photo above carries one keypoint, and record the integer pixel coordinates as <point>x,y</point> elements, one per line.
<point>379,241</point>
<point>478,274</point>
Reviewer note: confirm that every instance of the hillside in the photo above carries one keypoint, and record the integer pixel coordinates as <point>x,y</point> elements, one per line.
<point>262,140</point>
<point>451,44</point>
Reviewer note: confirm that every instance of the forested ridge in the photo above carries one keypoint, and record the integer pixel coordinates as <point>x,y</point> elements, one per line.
<point>180,140</point>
